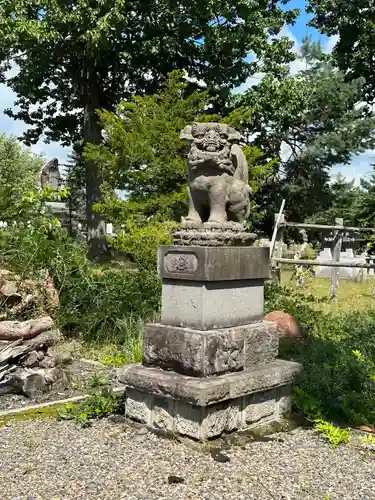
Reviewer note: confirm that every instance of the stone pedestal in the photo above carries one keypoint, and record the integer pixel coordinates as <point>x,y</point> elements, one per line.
<point>210,366</point>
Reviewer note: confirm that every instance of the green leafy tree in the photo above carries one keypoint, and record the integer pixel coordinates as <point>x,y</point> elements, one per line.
<point>19,169</point>
<point>354,23</point>
<point>77,57</point>
<point>365,208</point>
<point>344,198</point>
<point>310,121</point>
<point>144,156</point>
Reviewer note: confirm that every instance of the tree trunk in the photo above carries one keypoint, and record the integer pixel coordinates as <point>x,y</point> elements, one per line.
<point>13,330</point>
<point>96,232</point>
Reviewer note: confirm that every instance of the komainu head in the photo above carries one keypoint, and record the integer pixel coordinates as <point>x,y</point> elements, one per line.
<point>210,137</point>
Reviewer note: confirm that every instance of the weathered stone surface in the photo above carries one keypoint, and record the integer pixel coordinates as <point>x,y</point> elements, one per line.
<point>188,420</point>
<point>163,413</point>
<point>177,262</point>
<point>265,377</point>
<point>23,381</point>
<point>31,360</point>
<point>222,417</point>
<point>208,305</point>
<point>207,391</point>
<point>194,352</point>
<point>213,236</point>
<point>285,399</point>
<point>207,352</point>
<point>138,406</point>
<point>205,422</point>
<point>33,384</point>
<point>169,347</point>
<point>259,406</point>
<point>261,344</point>
<point>203,392</point>
<point>50,175</point>
<point>30,381</point>
<point>48,362</point>
<point>223,263</point>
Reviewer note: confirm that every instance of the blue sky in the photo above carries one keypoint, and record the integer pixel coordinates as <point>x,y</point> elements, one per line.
<point>360,166</point>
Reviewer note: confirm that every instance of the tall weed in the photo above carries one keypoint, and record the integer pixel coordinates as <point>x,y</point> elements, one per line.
<point>336,383</point>
<point>96,304</point>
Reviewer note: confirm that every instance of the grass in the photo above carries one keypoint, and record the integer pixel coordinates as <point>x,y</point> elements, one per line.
<point>106,353</point>
<point>351,296</point>
<point>112,350</point>
<point>338,357</point>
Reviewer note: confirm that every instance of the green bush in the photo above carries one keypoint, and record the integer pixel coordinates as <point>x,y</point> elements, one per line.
<point>96,304</point>
<point>332,433</point>
<point>33,247</point>
<point>337,384</point>
<point>309,253</point>
<point>140,243</point>
<point>19,168</point>
<point>100,403</point>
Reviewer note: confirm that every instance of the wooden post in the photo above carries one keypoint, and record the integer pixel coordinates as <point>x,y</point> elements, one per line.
<point>278,233</point>
<point>335,272</point>
<point>278,247</point>
<point>279,242</point>
<point>278,218</point>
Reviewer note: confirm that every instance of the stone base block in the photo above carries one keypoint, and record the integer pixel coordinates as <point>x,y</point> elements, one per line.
<point>205,408</point>
<point>205,305</point>
<point>202,353</point>
<point>224,263</point>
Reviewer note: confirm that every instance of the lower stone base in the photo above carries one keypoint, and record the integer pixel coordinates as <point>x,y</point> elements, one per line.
<point>205,408</point>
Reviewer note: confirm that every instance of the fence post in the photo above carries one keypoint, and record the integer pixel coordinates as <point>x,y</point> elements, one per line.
<point>335,271</point>
<point>278,247</point>
<point>278,252</point>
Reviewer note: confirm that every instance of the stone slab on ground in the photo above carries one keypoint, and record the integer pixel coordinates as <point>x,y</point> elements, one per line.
<point>206,422</point>
<point>210,390</point>
<point>207,352</point>
<point>113,461</point>
<point>203,408</point>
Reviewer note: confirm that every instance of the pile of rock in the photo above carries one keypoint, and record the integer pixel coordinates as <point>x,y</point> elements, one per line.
<point>20,297</point>
<point>29,365</point>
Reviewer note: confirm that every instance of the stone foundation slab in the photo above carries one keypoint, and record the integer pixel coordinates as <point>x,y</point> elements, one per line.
<point>205,408</point>
<point>202,353</point>
<point>206,422</point>
<point>210,390</point>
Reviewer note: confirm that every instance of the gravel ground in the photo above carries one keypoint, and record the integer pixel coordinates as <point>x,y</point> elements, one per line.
<point>48,460</point>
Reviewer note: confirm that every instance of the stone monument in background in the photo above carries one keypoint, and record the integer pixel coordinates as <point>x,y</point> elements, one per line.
<point>50,175</point>
<point>210,366</point>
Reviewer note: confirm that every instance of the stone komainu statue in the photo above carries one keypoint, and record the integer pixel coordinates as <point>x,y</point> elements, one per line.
<point>218,187</point>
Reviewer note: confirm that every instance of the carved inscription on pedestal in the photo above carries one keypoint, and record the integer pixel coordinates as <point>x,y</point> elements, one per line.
<point>184,263</point>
